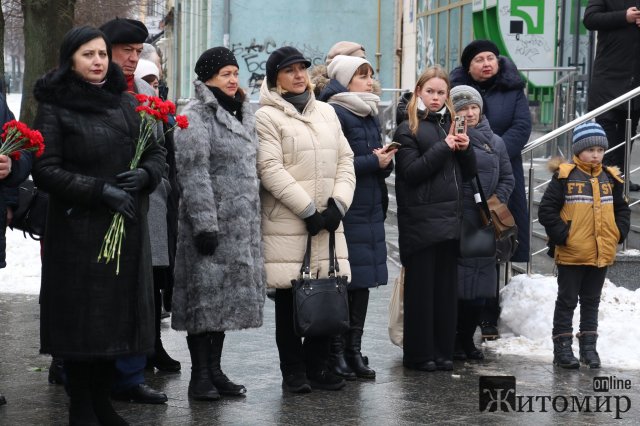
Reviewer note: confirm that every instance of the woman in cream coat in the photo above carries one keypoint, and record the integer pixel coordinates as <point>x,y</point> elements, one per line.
<point>305,166</point>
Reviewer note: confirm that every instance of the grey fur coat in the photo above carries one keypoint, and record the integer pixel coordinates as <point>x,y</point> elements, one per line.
<point>216,165</point>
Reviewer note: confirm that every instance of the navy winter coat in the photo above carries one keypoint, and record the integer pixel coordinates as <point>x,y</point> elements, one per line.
<point>429,178</point>
<point>507,109</point>
<point>477,277</point>
<point>364,221</point>
<point>19,172</point>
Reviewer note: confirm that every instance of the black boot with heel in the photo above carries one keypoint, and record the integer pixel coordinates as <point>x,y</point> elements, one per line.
<point>219,379</point>
<point>358,303</point>
<point>337,361</point>
<point>200,386</point>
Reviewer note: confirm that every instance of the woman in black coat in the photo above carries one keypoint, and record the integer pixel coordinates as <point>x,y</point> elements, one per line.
<point>349,92</point>
<point>431,165</point>
<point>89,314</point>
<point>507,109</point>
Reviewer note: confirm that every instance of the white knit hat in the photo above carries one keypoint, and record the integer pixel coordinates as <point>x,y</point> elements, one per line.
<point>342,68</point>
<point>146,68</point>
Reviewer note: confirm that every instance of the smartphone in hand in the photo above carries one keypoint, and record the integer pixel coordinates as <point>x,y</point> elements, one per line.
<point>392,146</point>
<point>459,125</point>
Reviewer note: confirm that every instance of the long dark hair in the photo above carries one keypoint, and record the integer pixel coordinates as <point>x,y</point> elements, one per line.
<point>72,40</point>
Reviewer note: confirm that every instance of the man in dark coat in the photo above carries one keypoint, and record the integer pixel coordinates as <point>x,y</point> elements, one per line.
<point>12,172</point>
<point>616,69</point>
<point>127,37</point>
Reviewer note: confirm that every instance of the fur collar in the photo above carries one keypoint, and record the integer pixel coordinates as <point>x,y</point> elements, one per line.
<point>508,77</point>
<point>246,128</point>
<point>69,91</point>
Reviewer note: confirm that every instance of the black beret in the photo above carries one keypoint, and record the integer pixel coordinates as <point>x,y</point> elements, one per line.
<point>475,47</point>
<point>281,58</point>
<point>122,31</point>
<point>211,60</point>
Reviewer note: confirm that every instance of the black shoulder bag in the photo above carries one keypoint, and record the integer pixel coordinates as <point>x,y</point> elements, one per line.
<point>320,306</point>
<point>30,216</point>
<point>478,241</point>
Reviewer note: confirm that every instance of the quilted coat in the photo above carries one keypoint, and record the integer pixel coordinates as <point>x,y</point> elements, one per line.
<point>507,109</point>
<point>303,158</point>
<point>216,166</point>
<point>585,213</point>
<point>364,222</point>
<point>87,310</point>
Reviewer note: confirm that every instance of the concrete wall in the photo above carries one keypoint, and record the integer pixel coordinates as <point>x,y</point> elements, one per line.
<point>258,27</point>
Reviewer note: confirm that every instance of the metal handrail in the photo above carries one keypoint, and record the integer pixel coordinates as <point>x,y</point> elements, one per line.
<point>529,147</point>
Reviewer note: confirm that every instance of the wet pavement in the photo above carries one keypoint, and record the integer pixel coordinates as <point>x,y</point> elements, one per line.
<point>397,396</point>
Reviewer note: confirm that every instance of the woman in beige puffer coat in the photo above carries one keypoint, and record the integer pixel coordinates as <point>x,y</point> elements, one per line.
<point>305,166</point>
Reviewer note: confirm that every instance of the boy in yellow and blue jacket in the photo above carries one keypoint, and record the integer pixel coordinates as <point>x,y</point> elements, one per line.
<point>586,216</point>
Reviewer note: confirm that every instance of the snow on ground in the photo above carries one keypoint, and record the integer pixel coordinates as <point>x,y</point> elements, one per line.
<point>527,316</point>
<point>527,304</point>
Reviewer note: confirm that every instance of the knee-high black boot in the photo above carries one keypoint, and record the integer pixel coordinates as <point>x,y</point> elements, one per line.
<point>102,374</point>
<point>160,359</point>
<point>358,303</point>
<point>467,324</point>
<point>337,362</point>
<point>200,386</point>
<point>219,379</point>
<point>79,380</point>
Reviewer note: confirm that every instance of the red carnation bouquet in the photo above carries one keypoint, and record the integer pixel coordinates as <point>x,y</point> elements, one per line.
<point>18,137</point>
<point>151,109</point>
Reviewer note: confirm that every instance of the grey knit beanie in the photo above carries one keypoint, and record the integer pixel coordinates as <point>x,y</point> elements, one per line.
<point>462,96</point>
<point>587,135</point>
<point>342,68</point>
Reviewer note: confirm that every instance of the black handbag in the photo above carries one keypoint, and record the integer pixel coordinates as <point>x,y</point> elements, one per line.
<point>320,306</point>
<point>30,216</point>
<point>478,241</point>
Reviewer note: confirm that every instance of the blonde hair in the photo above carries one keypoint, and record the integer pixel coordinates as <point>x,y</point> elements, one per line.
<point>412,109</point>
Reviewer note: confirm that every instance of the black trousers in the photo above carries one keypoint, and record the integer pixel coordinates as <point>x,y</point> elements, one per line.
<point>430,303</point>
<point>613,123</point>
<point>297,354</point>
<point>578,283</point>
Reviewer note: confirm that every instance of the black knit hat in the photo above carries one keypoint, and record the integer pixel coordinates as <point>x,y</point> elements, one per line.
<point>475,47</point>
<point>122,30</point>
<point>281,58</point>
<point>211,60</point>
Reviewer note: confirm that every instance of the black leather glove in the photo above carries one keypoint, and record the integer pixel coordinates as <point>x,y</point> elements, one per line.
<point>119,200</point>
<point>315,223</point>
<point>332,216</point>
<point>206,243</point>
<point>133,180</point>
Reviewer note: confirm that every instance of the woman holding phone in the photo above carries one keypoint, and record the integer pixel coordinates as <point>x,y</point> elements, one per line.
<point>350,93</point>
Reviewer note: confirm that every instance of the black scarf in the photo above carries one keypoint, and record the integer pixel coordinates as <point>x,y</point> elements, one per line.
<point>232,104</point>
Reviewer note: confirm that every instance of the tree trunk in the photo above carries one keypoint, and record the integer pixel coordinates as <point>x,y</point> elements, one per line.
<point>4,79</point>
<point>45,24</point>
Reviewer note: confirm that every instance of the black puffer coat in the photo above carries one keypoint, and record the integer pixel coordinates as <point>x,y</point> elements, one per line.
<point>87,311</point>
<point>364,221</point>
<point>507,109</point>
<point>429,191</point>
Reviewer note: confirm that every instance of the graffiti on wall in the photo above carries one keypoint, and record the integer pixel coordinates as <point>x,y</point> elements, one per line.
<point>253,55</point>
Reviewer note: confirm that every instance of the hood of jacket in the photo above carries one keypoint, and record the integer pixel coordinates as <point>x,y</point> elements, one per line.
<point>69,91</point>
<point>332,88</point>
<point>508,77</point>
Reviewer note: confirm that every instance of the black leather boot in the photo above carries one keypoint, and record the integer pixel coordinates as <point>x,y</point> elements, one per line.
<point>162,361</point>
<point>468,315</point>
<point>358,303</point>
<point>201,387</point>
<point>588,354</point>
<point>102,375</point>
<point>56,371</point>
<point>79,378</point>
<point>337,362</point>
<point>219,379</point>
<point>562,352</point>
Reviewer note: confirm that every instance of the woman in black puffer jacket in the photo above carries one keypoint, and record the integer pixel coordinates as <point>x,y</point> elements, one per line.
<point>431,165</point>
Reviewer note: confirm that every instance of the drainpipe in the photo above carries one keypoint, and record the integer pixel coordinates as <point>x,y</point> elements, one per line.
<point>378,54</point>
<point>226,24</point>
